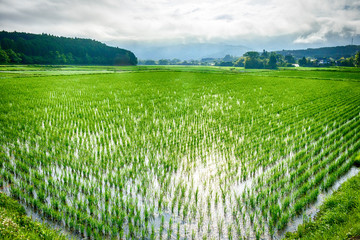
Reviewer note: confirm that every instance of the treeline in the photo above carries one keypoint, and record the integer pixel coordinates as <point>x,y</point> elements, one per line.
<point>267,60</point>
<point>325,52</point>
<point>249,60</point>
<point>274,60</point>
<point>353,61</point>
<point>263,60</point>
<point>29,48</point>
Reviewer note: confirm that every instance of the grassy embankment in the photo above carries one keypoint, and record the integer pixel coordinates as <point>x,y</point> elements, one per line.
<point>14,224</point>
<point>339,215</point>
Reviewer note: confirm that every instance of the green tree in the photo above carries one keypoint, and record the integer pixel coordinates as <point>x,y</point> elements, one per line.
<point>149,62</point>
<point>163,62</point>
<point>264,54</point>
<point>252,54</point>
<point>239,62</point>
<point>122,59</point>
<point>347,62</point>
<point>253,63</point>
<point>225,64</point>
<point>252,60</point>
<point>69,58</point>
<point>4,58</point>
<point>26,59</point>
<point>7,43</point>
<point>14,58</point>
<point>175,61</point>
<point>47,49</point>
<point>272,61</point>
<point>357,59</point>
<point>289,59</point>
<point>303,62</point>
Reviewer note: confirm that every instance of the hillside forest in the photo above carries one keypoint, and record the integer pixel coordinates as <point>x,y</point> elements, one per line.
<point>29,48</point>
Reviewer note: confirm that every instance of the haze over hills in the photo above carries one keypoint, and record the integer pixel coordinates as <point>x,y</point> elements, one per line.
<point>47,49</point>
<point>198,51</point>
<point>192,51</point>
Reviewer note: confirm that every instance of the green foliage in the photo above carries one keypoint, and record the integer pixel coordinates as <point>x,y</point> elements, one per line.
<point>47,49</point>
<point>149,62</point>
<point>14,224</point>
<point>338,218</point>
<point>290,59</point>
<point>4,58</point>
<point>357,59</point>
<point>253,63</point>
<point>347,62</point>
<point>253,60</point>
<point>304,62</point>
<point>13,57</point>
<point>240,62</point>
<point>252,55</point>
<point>329,52</point>
<point>272,61</point>
<point>164,62</point>
<point>224,64</point>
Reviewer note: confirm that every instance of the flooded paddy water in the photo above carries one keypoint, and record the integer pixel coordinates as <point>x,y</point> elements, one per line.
<point>177,155</point>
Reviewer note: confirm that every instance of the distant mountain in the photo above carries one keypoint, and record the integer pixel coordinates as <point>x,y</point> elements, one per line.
<point>195,51</point>
<point>325,52</point>
<point>47,49</point>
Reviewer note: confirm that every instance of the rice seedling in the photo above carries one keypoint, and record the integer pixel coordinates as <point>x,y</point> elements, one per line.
<point>110,156</point>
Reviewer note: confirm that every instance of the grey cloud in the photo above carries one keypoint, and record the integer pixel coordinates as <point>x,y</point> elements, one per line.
<point>355,6</point>
<point>302,22</point>
<point>226,17</point>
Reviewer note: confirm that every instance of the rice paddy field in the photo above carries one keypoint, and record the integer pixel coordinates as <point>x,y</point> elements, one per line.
<point>175,152</point>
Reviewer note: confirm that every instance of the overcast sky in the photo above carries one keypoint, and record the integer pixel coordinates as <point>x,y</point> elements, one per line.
<point>259,23</point>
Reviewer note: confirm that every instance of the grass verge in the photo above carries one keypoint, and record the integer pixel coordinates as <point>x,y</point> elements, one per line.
<point>338,218</point>
<point>14,224</point>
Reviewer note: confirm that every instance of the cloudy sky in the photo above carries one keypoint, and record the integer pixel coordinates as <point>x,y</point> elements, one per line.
<point>257,24</point>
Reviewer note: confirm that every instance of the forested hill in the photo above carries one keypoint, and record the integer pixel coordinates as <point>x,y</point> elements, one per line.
<point>47,49</point>
<point>326,52</point>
